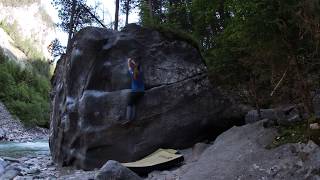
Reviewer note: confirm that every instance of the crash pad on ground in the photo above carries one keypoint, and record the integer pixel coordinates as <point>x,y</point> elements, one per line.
<point>159,160</point>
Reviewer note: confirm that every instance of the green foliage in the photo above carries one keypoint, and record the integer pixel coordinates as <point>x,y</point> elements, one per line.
<point>11,29</point>
<point>256,46</point>
<point>25,92</point>
<point>19,3</point>
<point>296,133</point>
<point>82,17</point>
<point>261,41</point>
<point>26,46</point>
<point>41,67</point>
<point>145,18</point>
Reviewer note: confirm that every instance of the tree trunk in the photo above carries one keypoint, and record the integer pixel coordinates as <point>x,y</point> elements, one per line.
<point>71,24</point>
<point>92,15</point>
<point>304,87</point>
<point>127,10</point>
<point>221,11</point>
<point>116,18</point>
<point>150,8</point>
<point>254,94</point>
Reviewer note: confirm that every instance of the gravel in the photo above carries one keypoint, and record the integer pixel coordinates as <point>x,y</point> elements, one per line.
<point>11,129</point>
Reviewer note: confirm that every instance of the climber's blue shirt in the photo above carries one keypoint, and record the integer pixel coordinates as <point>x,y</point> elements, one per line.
<point>137,85</point>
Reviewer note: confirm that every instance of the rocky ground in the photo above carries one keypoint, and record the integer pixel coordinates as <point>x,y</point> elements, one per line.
<point>239,153</point>
<point>11,129</point>
<point>39,167</point>
<point>33,166</point>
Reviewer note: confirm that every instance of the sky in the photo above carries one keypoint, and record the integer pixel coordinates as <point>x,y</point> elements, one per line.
<point>106,11</point>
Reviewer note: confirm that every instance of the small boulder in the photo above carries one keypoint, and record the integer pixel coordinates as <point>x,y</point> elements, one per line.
<point>2,134</point>
<point>288,115</point>
<point>113,170</point>
<point>284,116</point>
<point>253,115</point>
<point>10,174</point>
<point>3,164</point>
<point>315,126</point>
<point>14,160</point>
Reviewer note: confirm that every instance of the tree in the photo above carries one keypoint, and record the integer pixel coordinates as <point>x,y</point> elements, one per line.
<point>127,6</point>
<point>116,18</point>
<point>150,8</point>
<point>55,48</point>
<point>74,15</point>
<point>72,23</point>
<point>270,46</point>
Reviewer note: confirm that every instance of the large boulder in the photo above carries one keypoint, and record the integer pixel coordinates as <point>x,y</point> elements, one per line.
<point>90,92</point>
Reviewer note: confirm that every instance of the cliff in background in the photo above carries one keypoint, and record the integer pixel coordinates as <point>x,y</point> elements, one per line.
<point>26,29</point>
<point>29,27</point>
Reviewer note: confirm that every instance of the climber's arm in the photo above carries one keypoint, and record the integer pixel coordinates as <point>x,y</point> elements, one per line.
<point>131,64</point>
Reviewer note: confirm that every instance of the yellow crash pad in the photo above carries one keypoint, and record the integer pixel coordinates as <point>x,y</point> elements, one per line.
<point>159,160</point>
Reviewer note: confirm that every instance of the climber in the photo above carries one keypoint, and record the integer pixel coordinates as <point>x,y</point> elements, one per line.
<point>137,88</point>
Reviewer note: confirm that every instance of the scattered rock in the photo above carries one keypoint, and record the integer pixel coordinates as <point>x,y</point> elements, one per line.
<point>33,171</point>
<point>288,115</point>
<point>13,130</point>
<point>11,159</point>
<point>285,116</point>
<point>113,170</point>
<point>76,175</point>
<point>2,134</point>
<point>23,178</point>
<point>314,126</point>
<point>253,115</point>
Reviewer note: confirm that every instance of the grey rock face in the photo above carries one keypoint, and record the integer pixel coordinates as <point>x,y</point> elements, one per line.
<point>113,170</point>
<point>90,92</point>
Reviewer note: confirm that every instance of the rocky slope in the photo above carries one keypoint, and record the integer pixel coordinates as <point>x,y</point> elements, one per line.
<point>240,153</point>
<point>11,129</point>
<point>91,87</point>
<point>10,50</point>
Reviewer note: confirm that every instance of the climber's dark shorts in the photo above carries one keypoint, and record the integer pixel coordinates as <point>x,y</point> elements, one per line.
<point>134,98</point>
